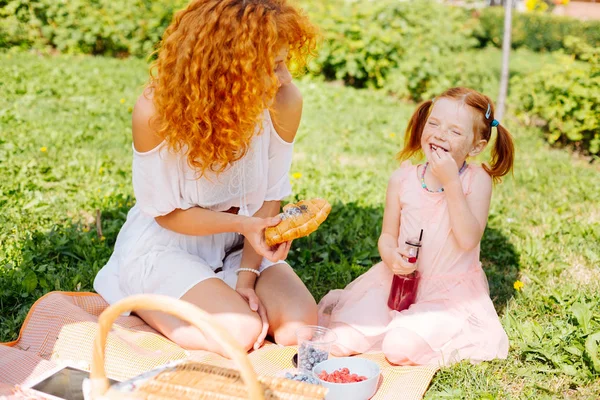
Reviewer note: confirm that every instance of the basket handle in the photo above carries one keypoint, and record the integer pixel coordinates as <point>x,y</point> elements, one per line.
<point>187,312</point>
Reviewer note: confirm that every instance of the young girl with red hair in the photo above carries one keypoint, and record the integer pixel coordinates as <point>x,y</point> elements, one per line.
<point>447,199</point>
<point>213,134</point>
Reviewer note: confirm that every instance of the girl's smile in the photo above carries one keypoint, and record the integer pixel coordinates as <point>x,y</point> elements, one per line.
<point>449,127</point>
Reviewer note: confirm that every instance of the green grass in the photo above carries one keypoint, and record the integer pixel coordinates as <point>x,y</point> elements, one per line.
<point>544,225</point>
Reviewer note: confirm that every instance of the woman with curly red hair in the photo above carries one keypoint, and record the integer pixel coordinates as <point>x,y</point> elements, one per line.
<point>212,147</point>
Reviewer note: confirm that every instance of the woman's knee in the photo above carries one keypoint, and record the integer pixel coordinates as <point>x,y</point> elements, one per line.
<point>285,331</point>
<point>404,347</point>
<point>285,334</point>
<point>189,337</point>
<point>244,329</point>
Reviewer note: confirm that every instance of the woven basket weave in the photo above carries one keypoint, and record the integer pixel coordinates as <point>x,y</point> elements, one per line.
<point>193,380</point>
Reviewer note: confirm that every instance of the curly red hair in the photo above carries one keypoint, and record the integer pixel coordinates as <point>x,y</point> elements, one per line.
<point>214,75</point>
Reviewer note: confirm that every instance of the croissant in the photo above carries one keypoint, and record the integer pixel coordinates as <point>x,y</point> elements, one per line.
<point>298,220</point>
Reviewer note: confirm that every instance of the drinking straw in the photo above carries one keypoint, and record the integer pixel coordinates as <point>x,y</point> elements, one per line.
<point>419,248</point>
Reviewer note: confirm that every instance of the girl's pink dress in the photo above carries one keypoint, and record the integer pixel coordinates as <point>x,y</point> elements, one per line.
<point>453,317</point>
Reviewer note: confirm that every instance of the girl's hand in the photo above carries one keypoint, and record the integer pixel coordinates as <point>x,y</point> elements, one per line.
<point>397,261</point>
<point>443,167</point>
<point>253,230</point>
<point>255,305</point>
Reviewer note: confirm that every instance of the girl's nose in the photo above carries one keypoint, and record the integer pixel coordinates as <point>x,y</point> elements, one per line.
<point>440,133</point>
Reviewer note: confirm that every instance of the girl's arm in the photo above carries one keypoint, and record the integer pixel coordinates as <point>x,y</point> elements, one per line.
<point>388,240</point>
<point>468,214</point>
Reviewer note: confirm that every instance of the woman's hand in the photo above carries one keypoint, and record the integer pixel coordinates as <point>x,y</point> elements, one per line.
<point>255,304</point>
<point>397,261</point>
<point>443,167</point>
<point>253,229</point>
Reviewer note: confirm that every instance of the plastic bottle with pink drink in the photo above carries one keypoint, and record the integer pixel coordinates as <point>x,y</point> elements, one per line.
<point>404,287</point>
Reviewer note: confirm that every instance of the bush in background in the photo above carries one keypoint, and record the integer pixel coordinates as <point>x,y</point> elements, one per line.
<point>364,41</point>
<point>535,31</point>
<point>565,99</point>
<point>100,27</point>
<point>414,50</point>
<point>425,75</point>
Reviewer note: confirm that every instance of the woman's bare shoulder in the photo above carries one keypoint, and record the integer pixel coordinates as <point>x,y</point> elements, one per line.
<point>144,135</point>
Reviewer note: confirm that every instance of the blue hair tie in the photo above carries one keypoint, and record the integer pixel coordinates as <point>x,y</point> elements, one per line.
<point>495,122</point>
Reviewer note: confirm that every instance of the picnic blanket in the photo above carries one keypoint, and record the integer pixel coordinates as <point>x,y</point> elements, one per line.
<point>61,326</point>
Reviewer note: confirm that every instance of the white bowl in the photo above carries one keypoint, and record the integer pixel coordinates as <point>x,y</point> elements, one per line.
<point>350,391</point>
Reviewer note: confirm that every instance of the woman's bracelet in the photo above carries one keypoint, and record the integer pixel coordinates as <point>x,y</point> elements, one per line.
<point>257,272</point>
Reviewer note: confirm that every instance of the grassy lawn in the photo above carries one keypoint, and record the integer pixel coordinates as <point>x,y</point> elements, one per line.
<point>65,153</point>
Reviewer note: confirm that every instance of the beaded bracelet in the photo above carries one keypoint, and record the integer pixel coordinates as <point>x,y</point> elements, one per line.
<point>257,272</point>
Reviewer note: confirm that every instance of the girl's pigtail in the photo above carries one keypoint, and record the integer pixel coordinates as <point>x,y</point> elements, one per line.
<point>412,137</point>
<point>503,155</point>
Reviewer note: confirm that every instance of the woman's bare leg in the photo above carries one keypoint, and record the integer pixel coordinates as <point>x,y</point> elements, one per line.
<point>225,304</point>
<point>288,302</point>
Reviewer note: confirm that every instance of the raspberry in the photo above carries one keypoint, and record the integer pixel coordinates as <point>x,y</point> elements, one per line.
<point>341,375</point>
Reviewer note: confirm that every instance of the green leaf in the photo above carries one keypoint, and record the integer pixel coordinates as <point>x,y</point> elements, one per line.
<point>574,350</point>
<point>569,370</point>
<point>583,314</point>
<point>591,350</point>
<point>30,282</point>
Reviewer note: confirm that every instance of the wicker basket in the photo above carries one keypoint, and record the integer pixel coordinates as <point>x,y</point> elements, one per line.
<point>192,380</point>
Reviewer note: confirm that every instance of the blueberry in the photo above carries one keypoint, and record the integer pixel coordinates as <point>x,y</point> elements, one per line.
<point>302,378</point>
<point>309,356</point>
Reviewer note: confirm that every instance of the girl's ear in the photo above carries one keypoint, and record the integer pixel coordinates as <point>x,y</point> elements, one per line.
<point>478,148</point>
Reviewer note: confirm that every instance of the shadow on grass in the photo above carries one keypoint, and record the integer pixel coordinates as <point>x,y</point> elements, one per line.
<point>65,258</point>
<point>500,262</point>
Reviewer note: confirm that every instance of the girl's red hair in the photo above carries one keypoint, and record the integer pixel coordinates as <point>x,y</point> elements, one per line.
<point>503,153</point>
<point>214,75</point>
